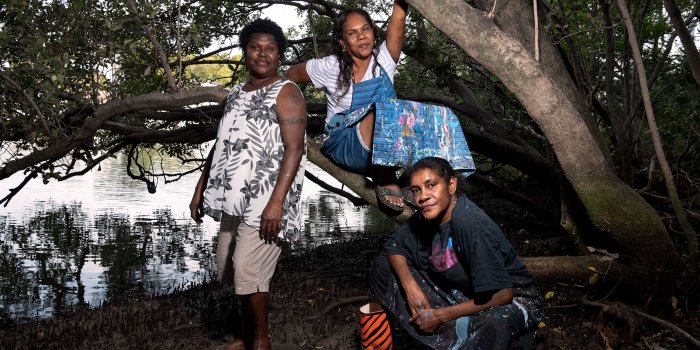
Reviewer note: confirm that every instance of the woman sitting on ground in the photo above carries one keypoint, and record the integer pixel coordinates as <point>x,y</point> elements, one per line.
<point>448,275</point>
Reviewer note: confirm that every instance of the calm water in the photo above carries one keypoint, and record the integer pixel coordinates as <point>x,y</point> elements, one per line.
<point>82,241</point>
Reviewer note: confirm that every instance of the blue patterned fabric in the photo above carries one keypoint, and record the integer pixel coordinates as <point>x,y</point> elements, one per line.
<point>407,131</point>
<point>404,131</point>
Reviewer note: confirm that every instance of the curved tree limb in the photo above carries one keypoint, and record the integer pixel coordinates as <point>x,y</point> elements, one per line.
<point>107,111</point>
<point>359,184</point>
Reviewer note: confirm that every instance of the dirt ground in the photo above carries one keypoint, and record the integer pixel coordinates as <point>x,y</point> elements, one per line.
<point>314,304</point>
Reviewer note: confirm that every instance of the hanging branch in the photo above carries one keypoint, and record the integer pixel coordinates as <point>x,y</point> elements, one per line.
<point>13,191</point>
<point>150,185</point>
<point>537,30</point>
<point>313,33</point>
<point>172,85</point>
<point>663,163</point>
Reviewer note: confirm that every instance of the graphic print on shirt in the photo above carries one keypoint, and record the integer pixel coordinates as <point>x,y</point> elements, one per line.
<point>443,259</point>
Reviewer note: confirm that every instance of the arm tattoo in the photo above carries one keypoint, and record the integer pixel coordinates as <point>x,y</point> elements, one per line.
<point>292,121</point>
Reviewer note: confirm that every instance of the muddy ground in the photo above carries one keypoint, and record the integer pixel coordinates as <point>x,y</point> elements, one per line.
<point>302,314</point>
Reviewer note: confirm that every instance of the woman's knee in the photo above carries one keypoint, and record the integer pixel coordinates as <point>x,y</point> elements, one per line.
<point>495,329</point>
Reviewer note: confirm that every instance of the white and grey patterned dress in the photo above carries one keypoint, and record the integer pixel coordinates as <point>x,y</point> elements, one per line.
<point>247,159</point>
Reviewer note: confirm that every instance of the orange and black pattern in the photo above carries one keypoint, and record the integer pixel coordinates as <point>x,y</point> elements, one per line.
<point>375,332</point>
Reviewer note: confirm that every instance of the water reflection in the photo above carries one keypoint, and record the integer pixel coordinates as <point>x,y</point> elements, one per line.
<point>81,242</point>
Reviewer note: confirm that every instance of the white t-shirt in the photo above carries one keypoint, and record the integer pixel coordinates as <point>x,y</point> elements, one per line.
<point>324,74</point>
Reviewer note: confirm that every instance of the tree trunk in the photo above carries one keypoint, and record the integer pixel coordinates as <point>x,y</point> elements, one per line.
<point>618,121</point>
<point>616,211</point>
<point>665,169</point>
<point>691,51</point>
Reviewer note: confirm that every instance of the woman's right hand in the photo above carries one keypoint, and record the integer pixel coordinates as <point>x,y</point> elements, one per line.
<point>416,298</point>
<point>196,207</point>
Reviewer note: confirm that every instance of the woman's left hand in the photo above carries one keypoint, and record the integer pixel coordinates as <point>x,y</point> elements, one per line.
<point>427,320</point>
<point>271,222</point>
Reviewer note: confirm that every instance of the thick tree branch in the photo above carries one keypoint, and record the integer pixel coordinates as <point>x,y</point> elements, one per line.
<point>105,112</point>
<point>359,184</point>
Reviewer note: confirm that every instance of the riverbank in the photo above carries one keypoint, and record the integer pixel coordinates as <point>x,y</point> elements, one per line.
<point>314,304</point>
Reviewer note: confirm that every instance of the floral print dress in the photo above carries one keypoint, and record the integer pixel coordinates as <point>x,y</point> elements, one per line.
<point>247,159</point>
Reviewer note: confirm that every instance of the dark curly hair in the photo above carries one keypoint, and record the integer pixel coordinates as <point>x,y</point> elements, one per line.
<point>441,168</point>
<point>344,59</point>
<point>262,26</point>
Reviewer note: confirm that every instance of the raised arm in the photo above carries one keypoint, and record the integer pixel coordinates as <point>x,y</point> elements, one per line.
<point>396,30</point>
<point>297,73</point>
<point>291,114</point>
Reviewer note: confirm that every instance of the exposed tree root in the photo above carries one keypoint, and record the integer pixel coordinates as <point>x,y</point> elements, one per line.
<point>623,311</point>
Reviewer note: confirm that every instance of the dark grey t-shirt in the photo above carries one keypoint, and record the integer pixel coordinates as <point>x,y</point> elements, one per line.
<point>488,259</point>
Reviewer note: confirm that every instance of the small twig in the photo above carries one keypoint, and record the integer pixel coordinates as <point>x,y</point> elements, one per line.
<point>16,86</point>
<point>650,175</point>
<point>612,290</point>
<point>566,306</point>
<point>159,49</point>
<point>491,14</point>
<point>179,41</point>
<point>646,342</point>
<point>537,30</point>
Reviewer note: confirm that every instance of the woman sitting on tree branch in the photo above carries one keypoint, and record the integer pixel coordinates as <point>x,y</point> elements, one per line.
<point>370,132</point>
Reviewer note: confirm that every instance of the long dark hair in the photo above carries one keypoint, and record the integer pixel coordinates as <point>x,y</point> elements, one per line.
<point>344,58</point>
<point>441,168</point>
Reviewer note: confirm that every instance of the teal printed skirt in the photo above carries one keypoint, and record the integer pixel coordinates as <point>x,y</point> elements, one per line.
<point>407,131</point>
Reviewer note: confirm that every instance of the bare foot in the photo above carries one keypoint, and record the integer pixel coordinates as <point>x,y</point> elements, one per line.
<point>234,345</point>
<point>390,195</point>
<point>262,344</point>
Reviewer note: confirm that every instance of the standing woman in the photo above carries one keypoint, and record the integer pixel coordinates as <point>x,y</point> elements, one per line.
<point>449,276</point>
<point>253,177</point>
<point>358,81</point>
